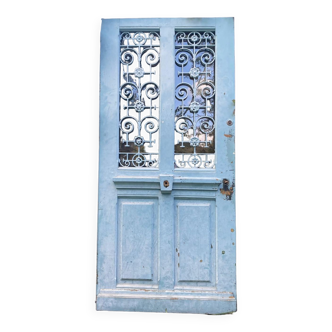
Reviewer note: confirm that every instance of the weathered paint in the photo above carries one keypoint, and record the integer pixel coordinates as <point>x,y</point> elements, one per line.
<point>166,248</point>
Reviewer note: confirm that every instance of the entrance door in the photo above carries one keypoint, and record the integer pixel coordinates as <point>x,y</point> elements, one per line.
<point>166,222</point>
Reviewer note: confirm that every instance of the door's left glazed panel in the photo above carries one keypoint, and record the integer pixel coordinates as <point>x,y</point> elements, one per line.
<point>139,99</point>
<point>137,241</point>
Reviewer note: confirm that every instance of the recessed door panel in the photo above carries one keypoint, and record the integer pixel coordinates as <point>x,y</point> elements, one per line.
<point>195,226</point>
<point>137,240</point>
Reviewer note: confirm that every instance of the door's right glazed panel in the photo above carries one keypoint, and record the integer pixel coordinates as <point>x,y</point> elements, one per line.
<point>194,100</point>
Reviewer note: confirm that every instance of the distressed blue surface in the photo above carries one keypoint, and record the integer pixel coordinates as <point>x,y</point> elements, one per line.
<point>137,250</point>
<point>195,232</point>
<point>166,249</point>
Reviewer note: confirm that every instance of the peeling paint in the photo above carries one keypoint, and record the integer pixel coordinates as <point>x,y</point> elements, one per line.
<point>228,135</point>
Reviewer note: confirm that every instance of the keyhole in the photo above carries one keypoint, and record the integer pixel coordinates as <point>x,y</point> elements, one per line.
<point>166,183</point>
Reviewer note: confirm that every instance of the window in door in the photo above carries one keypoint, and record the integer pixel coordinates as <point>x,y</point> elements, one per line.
<point>194,99</point>
<point>139,99</point>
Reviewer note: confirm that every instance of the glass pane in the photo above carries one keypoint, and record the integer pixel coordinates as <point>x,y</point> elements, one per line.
<point>194,100</point>
<point>139,99</point>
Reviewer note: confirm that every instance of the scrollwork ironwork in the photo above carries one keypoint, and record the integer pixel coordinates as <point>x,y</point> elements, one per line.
<point>194,99</point>
<point>138,159</point>
<point>139,103</point>
<point>198,160</point>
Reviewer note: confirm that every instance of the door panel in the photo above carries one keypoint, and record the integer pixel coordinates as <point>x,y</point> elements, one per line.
<point>137,240</point>
<point>166,229</point>
<point>195,243</point>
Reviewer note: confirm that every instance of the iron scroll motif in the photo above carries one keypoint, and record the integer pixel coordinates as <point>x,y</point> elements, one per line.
<point>139,99</point>
<point>194,100</point>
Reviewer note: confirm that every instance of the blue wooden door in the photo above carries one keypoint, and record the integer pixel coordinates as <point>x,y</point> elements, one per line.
<point>166,217</point>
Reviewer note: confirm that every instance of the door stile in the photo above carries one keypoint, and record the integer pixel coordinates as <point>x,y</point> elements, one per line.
<point>225,154</point>
<point>108,153</point>
<point>166,245</point>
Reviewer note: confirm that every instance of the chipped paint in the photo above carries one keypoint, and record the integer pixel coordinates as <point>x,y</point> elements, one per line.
<point>227,192</point>
<point>228,135</point>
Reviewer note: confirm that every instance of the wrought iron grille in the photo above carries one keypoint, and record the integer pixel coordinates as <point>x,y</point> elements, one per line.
<point>139,99</point>
<point>194,100</point>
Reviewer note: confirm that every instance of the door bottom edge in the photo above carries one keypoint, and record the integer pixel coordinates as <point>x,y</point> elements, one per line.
<point>167,305</point>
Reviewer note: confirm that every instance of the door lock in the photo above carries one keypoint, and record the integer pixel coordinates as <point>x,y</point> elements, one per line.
<point>166,183</point>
